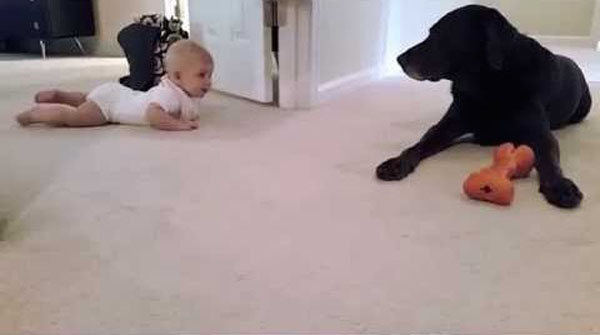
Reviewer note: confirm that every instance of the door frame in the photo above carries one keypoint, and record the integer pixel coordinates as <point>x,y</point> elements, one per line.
<point>298,55</point>
<point>299,81</point>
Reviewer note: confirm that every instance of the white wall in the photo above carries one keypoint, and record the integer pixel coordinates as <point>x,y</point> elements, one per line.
<point>595,31</point>
<point>350,37</point>
<point>111,16</point>
<point>409,22</point>
<point>548,17</point>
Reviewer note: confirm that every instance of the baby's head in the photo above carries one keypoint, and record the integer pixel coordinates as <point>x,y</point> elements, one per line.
<point>190,67</point>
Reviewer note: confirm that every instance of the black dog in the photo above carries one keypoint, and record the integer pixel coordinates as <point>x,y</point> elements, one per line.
<point>506,87</point>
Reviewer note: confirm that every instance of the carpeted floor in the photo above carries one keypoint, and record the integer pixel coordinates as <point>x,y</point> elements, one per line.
<point>271,221</point>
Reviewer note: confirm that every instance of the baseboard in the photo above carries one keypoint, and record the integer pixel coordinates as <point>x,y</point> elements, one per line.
<point>567,41</point>
<point>333,88</point>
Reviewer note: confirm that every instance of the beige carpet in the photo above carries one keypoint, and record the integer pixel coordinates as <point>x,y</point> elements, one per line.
<point>270,221</point>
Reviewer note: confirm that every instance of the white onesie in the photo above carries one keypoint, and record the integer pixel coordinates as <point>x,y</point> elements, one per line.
<point>121,104</point>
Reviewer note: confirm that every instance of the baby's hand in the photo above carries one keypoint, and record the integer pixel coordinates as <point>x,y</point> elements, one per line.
<point>186,125</point>
<point>193,124</point>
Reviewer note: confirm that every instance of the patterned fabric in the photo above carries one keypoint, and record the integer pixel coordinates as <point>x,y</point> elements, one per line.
<point>171,30</point>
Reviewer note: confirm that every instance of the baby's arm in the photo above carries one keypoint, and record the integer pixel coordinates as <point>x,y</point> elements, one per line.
<point>160,119</point>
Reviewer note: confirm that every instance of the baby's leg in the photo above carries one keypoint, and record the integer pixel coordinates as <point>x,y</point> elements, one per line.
<point>61,115</point>
<point>60,97</point>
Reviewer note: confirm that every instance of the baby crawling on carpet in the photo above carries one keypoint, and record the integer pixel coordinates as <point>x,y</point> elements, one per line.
<point>171,105</point>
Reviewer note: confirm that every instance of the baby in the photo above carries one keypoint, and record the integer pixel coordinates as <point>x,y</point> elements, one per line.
<point>171,105</point>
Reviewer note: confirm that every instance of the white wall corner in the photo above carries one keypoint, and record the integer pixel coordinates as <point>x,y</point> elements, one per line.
<point>383,35</point>
<point>347,84</point>
<point>298,42</point>
<point>595,31</point>
<point>370,71</point>
<point>300,82</point>
<point>288,51</point>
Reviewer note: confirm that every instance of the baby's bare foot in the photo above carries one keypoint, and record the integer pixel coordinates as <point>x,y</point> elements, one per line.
<point>24,118</point>
<point>46,96</point>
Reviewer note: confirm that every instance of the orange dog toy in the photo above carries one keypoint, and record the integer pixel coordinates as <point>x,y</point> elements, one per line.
<point>494,183</point>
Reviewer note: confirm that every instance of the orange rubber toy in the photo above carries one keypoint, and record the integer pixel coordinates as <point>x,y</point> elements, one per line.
<point>494,183</point>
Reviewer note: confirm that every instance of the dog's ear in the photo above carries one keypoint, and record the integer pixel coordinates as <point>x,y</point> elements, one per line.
<point>500,37</point>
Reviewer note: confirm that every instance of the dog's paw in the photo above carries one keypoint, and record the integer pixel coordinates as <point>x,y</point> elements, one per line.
<point>562,193</point>
<point>397,168</point>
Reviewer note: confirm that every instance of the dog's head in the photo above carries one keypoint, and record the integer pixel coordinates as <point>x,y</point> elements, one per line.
<point>470,37</point>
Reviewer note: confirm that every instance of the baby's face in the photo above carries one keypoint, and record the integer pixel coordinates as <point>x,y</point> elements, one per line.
<point>196,79</point>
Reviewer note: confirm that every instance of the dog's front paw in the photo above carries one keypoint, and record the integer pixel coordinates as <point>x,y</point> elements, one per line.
<point>562,193</point>
<point>397,168</point>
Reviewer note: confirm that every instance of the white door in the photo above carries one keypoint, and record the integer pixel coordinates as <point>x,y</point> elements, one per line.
<point>235,33</point>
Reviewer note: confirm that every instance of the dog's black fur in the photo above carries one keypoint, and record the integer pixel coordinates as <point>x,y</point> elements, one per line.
<point>506,87</point>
